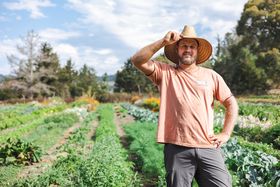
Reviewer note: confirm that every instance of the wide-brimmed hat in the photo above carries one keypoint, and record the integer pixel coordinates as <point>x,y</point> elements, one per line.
<point>204,49</point>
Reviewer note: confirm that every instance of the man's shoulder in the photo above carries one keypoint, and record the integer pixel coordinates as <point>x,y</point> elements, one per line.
<point>165,65</point>
<point>208,70</point>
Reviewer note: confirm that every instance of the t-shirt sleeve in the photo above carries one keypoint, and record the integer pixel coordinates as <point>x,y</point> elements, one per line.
<point>156,75</point>
<point>222,91</point>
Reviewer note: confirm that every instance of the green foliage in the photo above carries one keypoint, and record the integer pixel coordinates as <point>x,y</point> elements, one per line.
<point>66,170</point>
<point>22,115</point>
<point>259,24</point>
<point>129,79</point>
<point>249,59</point>
<point>66,85</point>
<point>268,149</point>
<point>47,67</point>
<point>8,173</point>
<point>19,152</point>
<point>252,167</point>
<point>8,93</point>
<point>62,118</point>
<point>107,165</point>
<point>23,130</point>
<point>262,111</point>
<point>148,151</point>
<point>141,114</point>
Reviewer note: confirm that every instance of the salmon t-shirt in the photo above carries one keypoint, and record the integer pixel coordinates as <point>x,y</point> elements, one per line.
<point>186,104</point>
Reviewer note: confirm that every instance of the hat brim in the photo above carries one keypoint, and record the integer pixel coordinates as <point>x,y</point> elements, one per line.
<point>204,51</point>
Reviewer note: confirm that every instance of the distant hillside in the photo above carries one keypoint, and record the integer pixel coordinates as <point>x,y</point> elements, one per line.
<point>111,78</point>
<point>111,81</point>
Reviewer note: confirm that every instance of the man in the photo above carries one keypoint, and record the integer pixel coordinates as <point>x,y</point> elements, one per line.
<point>187,93</point>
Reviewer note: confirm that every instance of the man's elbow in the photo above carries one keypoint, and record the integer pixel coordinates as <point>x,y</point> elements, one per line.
<point>231,105</point>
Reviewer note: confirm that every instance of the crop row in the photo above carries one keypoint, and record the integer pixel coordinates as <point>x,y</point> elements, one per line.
<point>23,114</point>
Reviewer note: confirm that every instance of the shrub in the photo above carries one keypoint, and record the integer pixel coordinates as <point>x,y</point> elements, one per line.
<point>152,103</point>
<point>91,102</point>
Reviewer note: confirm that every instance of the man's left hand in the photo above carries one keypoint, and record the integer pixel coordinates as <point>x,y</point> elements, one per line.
<point>219,139</point>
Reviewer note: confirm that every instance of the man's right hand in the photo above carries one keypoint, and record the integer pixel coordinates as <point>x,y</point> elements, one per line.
<point>171,37</point>
<point>141,59</point>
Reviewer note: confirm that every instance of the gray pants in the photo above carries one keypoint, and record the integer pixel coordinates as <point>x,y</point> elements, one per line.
<point>206,165</point>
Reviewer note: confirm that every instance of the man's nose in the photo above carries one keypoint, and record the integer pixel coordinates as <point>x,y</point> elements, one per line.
<point>188,48</point>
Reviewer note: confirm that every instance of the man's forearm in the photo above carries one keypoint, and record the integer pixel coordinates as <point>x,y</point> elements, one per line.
<point>146,53</point>
<point>230,116</point>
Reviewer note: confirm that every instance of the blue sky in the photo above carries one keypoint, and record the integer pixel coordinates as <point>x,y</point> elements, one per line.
<point>105,33</point>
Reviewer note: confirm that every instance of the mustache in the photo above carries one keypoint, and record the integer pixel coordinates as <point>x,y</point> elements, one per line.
<point>187,53</point>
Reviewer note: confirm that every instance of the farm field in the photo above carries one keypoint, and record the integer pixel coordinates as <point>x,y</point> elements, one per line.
<point>85,143</point>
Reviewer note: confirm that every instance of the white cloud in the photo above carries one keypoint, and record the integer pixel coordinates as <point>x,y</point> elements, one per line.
<point>54,35</point>
<point>103,51</point>
<point>7,48</point>
<point>102,60</point>
<point>32,6</point>
<point>65,52</point>
<point>139,22</point>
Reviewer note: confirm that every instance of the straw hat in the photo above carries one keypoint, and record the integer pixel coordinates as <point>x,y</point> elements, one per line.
<point>204,49</point>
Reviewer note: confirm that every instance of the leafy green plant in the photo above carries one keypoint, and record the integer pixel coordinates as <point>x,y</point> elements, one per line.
<point>149,153</point>
<point>253,168</point>
<point>19,152</point>
<point>141,114</point>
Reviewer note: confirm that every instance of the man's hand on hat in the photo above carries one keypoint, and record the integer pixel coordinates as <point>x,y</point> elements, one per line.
<point>171,37</point>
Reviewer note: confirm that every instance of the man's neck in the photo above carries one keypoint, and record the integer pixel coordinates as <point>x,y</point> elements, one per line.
<point>189,67</point>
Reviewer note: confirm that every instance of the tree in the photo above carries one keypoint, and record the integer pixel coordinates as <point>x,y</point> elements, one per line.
<point>103,89</point>
<point>87,81</point>
<point>24,67</point>
<point>248,59</point>
<point>67,81</point>
<point>259,27</point>
<point>129,79</point>
<point>47,67</point>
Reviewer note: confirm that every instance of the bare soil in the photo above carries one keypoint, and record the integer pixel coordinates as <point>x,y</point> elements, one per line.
<point>121,119</point>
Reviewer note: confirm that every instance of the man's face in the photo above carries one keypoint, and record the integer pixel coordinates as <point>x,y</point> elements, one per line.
<point>187,51</point>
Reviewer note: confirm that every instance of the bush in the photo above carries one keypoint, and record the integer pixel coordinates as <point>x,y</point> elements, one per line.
<point>152,103</point>
<point>117,97</point>
<point>91,102</point>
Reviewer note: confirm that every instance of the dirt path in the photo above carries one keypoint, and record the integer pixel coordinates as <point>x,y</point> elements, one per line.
<point>120,120</point>
<point>90,136</point>
<point>49,157</point>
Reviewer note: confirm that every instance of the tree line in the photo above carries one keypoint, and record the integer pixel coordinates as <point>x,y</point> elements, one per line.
<point>37,73</point>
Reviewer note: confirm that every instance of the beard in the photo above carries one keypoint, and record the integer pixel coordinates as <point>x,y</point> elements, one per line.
<point>187,59</point>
